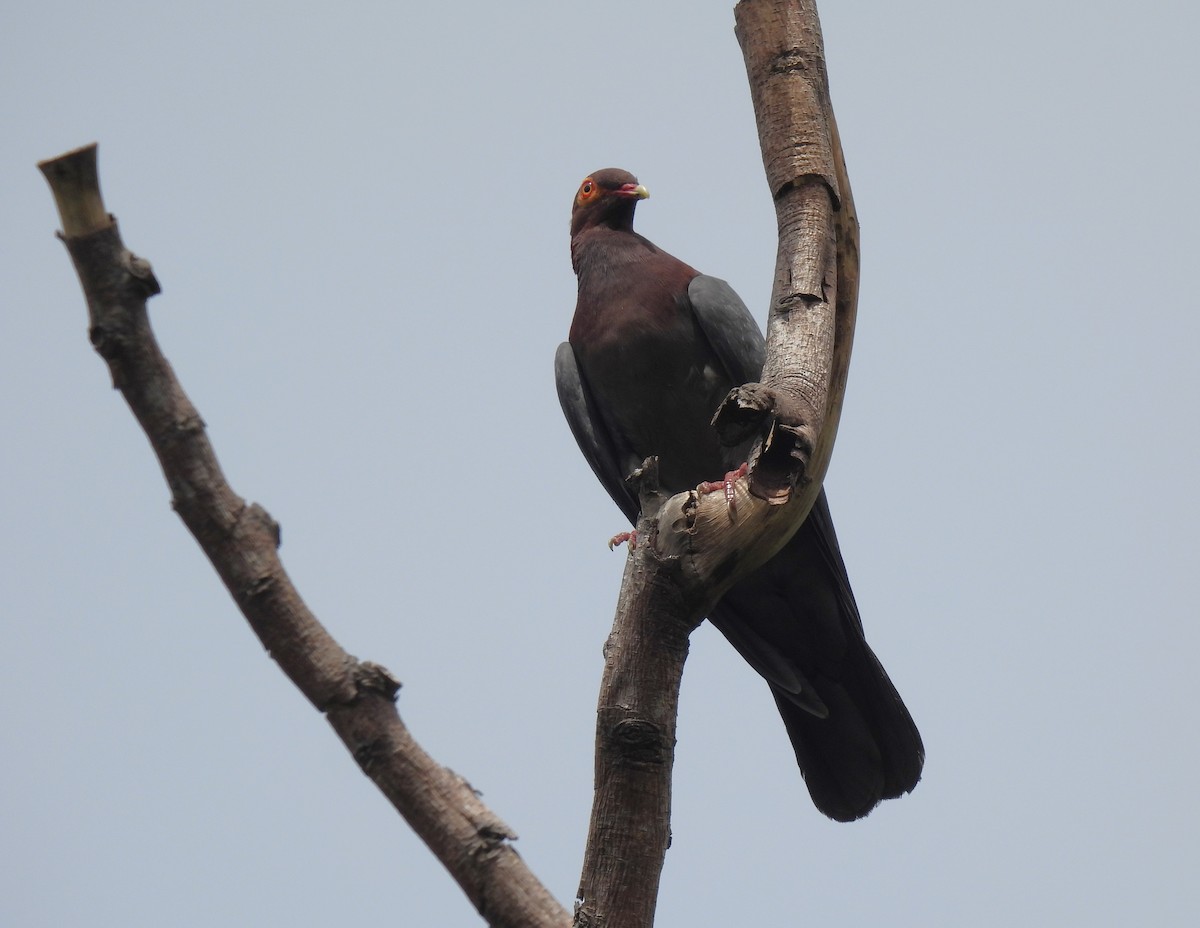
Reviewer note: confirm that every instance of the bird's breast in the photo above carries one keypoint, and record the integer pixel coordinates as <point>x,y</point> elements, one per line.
<point>656,384</point>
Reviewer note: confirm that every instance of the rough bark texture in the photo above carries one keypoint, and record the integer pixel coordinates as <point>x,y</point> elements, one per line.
<point>630,827</point>
<point>813,303</point>
<point>241,541</point>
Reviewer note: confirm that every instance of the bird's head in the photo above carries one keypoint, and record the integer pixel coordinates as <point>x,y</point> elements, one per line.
<point>606,198</point>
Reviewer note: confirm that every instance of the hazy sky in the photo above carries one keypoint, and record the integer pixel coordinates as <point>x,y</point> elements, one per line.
<point>359,219</point>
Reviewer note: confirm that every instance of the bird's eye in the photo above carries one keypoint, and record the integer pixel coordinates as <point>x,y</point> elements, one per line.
<point>587,189</point>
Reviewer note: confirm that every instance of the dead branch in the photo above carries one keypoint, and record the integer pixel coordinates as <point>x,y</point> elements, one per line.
<point>241,541</point>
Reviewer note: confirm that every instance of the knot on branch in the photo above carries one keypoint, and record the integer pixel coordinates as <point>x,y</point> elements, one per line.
<point>798,60</point>
<point>493,836</point>
<point>255,519</point>
<point>355,683</point>
<point>113,277</point>
<point>639,741</point>
<point>375,679</point>
<point>257,535</point>
<point>363,691</point>
<point>109,342</point>
<point>141,277</point>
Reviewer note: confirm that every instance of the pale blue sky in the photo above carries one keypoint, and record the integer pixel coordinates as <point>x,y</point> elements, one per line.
<point>359,219</point>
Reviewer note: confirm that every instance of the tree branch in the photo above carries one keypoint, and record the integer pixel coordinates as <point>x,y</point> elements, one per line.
<point>241,541</point>
<point>630,827</point>
<point>693,548</point>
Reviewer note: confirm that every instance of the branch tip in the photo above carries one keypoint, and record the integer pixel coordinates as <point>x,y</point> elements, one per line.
<point>75,182</point>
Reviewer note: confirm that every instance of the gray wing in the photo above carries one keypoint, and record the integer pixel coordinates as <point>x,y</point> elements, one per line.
<point>590,434</point>
<point>729,328</point>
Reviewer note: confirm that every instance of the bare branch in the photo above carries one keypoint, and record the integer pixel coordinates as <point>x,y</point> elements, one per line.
<point>630,827</point>
<point>814,300</point>
<point>241,541</point>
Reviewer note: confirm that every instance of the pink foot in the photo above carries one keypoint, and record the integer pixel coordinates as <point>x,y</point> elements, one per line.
<point>726,485</point>
<point>621,538</point>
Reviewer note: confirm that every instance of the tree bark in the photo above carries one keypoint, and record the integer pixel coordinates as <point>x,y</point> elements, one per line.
<point>241,541</point>
<point>630,826</point>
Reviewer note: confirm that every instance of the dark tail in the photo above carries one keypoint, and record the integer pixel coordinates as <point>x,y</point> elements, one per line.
<point>795,621</point>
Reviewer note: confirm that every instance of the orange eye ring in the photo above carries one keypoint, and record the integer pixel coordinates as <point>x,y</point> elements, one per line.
<point>587,190</point>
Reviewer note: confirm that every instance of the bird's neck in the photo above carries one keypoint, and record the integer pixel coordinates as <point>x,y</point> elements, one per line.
<point>600,249</point>
<point>627,286</point>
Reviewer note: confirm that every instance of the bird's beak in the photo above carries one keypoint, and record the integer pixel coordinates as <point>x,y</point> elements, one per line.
<point>633,191</point>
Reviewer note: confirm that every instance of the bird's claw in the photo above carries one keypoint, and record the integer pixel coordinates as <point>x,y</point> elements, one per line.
<point>726,485</point>
<point>621,538</point>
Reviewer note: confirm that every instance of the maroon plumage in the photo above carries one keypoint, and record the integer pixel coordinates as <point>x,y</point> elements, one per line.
<point>654,346</point>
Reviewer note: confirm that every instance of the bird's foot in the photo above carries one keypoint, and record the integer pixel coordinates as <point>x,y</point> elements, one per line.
<point>621,538</point>
<point>726,485</point>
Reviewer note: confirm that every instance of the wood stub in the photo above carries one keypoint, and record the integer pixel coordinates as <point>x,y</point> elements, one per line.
<point>75,182</point>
